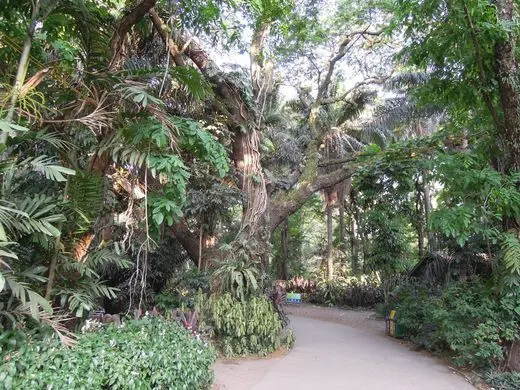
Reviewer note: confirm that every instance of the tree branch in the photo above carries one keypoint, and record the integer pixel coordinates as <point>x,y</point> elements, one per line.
<point>188,240</point>
<point>343,96</point>
<point>123,27</point>
<point>339,161</point>
<point>342,51</point>
<point>162,29</point>
<point>289,203</point>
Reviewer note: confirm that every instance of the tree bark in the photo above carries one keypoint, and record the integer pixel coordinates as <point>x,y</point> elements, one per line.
<point>284,250</point>
<point>354,242</point>
<point>329,254</point>
<point>288,203</point>
<point>21,72</point>
<point>507,67</point>
<point>162,29</point>
<point>419,211</point>
<point>341,209</point>
<point>432,245</point>
<point>117,42</point>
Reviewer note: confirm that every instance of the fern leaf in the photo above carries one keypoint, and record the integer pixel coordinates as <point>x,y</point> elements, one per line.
<point>511,252</point>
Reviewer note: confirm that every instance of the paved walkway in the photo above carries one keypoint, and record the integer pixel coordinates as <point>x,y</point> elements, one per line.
<point>334,356</point>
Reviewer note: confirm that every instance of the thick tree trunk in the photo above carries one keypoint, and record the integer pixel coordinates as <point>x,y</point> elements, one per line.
<point>507,67</point>
<point>162,29</point>
<point>354,241</point>
<point>288,203</point>
<point>117,42</point>
<point>284,250</point>
<point>261,217</point>
<point>420,240</point>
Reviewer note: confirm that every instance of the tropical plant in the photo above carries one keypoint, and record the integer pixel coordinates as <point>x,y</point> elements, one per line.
<point>238,276</point>
<point>130,356</point>
<point>251,327</point>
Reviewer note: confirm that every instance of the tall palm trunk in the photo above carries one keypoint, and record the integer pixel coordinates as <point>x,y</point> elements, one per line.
<point>329,254</point>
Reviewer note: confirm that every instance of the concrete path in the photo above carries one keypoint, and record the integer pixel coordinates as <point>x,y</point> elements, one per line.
<point>334,356</point>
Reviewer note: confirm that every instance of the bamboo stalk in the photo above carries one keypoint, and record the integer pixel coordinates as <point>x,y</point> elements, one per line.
<point>21,72</point>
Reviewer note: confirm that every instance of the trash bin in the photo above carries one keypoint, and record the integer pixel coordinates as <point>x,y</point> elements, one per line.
<point>393,328</point>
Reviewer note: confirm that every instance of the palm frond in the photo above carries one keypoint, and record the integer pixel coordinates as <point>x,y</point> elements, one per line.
<point>85,195</point>
<point>36,214</point>
<point>22,291</point>
<point>54,139</point>
<point>48,167</point>
<point>511,252</point>
<point>405,81</point>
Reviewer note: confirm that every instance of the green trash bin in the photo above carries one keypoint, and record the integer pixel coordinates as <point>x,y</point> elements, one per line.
<point>393,328</point>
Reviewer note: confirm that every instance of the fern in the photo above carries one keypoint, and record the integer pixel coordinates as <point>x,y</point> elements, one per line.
<point>85,194</point>
<point>51,138</point>
<point>192,81</point>
<point>88,288</point>
<point>138,95</point>
<point>119,150</point>
<point>511,252</point>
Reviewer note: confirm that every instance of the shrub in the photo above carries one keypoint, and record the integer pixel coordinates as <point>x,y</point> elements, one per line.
<point>351,291</point>
<point>144,354</point>
<point>238,277</point>
<point>503,380</point>
<point>329,292</point>
<point>299,284</point>
<point>415,304</point>
<point>463,319</point>
<point>251,327</point>
<point>181,288</point>
<point>475,324</point>
<point>362,292</point>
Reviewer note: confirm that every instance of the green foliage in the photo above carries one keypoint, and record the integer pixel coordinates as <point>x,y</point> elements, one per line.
<point>16,291</point>
<point>464,319</point>
<point>329,291</point>
<point>141,354</point>
<point>181,289</point>
<point>251,327</point>
<point>81,293</point>
<point>202,144</point>
<point>415,304</point>
<point>390,245</point>
<point>238,277</point>
<point>503,380</point>
<point>352,291</point>
<point>476,325</point>
<point>511,253</point>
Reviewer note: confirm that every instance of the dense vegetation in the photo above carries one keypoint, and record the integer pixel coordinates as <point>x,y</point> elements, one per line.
<point>120,358</point>
<point>367,154</point>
